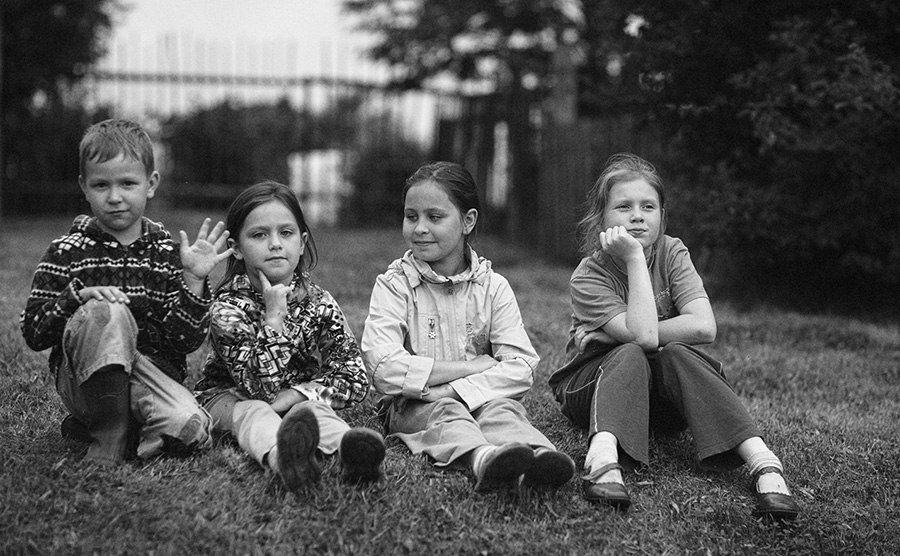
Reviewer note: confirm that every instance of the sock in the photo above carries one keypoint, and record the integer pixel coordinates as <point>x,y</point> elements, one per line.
<point>767,482</point>
<point>478,457</point>
<point>272,459</point>
<point>603,449</point>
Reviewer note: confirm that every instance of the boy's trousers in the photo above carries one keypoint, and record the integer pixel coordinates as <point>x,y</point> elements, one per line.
<point>100,334</point>
<point>446,430</point>
<point>255,424</point>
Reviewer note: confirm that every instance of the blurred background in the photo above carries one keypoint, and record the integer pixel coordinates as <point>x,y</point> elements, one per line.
<point>775,124</point>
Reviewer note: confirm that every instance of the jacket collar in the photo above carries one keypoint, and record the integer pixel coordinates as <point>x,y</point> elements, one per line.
<point>417,271</point>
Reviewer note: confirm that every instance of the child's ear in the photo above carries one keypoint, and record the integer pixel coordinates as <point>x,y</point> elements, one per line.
<point>469,220</point>
<point>305,237</point>
<point>153,181</point>
<point>236,250</point>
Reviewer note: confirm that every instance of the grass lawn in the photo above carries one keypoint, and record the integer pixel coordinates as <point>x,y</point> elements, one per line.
<point>825,390</point>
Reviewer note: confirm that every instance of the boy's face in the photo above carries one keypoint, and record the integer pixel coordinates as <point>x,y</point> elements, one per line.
<point>117,191</point>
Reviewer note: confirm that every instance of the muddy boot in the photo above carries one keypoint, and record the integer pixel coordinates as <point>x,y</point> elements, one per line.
<point>107,400</point>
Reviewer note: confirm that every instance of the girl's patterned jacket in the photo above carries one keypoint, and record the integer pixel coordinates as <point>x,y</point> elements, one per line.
<point>417,316</point>
<point>316,350</point>
<point>171,320</point>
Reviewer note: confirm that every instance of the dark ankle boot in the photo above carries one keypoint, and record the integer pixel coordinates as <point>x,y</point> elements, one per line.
<point>107,400</point>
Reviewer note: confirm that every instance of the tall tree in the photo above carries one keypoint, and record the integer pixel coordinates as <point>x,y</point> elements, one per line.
<point>786,115</point>
<point>502,47</point>
<point>48,46</point>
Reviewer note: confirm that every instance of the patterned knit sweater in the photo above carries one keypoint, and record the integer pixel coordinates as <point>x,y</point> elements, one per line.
<point>171,320</point>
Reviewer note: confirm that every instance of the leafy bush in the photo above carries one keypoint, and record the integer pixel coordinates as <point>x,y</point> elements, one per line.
<point>378,169</point>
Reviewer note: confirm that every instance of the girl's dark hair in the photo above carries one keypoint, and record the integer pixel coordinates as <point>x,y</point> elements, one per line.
<point>257,195</point>
<point>456,181</point>
<point>620,168</point>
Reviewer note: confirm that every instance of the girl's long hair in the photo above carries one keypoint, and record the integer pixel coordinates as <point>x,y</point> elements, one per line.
<point>252,197</point>
<point>619,168</point>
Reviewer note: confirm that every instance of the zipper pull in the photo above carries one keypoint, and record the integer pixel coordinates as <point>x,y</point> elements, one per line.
<point>431,333</point>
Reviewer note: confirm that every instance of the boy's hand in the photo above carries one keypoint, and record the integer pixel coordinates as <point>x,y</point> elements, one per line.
<point>620,244</point>
<point>198,259</point>
<point>275,298</point>
<point>100,293</point>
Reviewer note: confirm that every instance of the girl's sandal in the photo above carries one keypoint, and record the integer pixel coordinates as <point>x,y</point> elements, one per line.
<point>613,494</point>
<point>774,505</point>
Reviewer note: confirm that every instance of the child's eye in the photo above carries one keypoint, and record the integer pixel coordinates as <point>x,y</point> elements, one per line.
<point>287,233</point>
<point>258,235</point>
<point>411,217</point>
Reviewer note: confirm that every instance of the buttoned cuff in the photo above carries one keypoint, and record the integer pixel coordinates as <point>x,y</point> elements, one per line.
<point>417,376</point>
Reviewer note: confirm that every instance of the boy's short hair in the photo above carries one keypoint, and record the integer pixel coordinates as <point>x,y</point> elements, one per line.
<point>108,139</point>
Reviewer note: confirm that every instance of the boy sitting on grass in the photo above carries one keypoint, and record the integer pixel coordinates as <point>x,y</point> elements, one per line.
<point>121,304</point>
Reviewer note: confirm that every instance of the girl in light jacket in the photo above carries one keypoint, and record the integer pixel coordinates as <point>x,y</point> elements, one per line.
<point>444,342</point>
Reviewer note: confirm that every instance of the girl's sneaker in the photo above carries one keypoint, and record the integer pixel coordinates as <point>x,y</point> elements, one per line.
<point>297,460</point>
<point>361,451</point>
<point>503,466</point>
<point>551,469</point>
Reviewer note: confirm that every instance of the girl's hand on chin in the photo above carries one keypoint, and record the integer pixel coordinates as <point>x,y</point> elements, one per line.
<point>620,244</point>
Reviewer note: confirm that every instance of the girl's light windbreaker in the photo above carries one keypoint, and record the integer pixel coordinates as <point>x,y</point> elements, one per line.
<point>417,316</point>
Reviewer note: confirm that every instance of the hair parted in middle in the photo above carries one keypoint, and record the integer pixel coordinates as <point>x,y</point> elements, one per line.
<point>622,167</point>
<point>254,196</point>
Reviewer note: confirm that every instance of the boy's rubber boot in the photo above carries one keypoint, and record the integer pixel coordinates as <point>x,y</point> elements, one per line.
<point>106,395</point>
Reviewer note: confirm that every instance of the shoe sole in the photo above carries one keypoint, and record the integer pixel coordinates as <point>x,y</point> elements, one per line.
<point>550,470</point>
<point>297,441</point>
<point>618,504</point>
<point>362,451</point>
<point>504,467</point>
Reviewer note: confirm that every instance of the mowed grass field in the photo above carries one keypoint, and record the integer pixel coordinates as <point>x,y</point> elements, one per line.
<point>825,390</point>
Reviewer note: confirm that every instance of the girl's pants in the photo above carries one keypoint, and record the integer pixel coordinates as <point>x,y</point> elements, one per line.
<point>255,424</point>
<point>100,334</point>
<point>626,392</point>
<point>446,429</point>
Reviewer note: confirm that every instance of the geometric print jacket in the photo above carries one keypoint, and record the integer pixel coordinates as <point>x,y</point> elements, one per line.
<point>172,321</point>
<point>316,349</point>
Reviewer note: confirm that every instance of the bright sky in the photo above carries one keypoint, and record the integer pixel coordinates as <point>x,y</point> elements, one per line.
<point>263,35</point>
<point>270,38</point>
